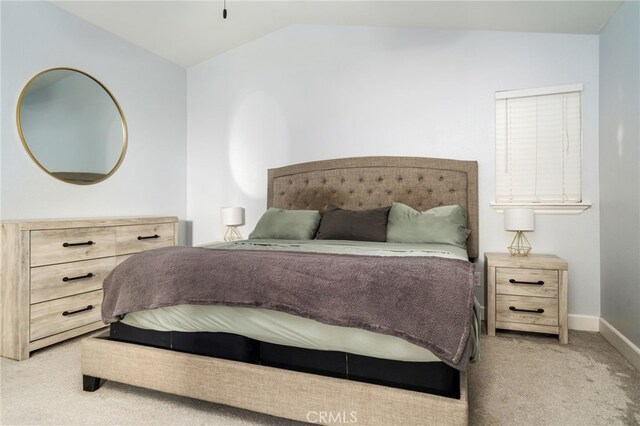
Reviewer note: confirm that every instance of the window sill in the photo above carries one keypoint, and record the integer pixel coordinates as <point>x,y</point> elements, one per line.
<point>544,208</point>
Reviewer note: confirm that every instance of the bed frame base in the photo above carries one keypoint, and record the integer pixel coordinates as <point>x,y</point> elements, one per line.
<point>282,393</point>
<point>90,383</point>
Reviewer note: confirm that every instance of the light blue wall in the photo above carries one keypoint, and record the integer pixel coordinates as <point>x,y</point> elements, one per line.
<point>151,91</point>
<point>620,170</point>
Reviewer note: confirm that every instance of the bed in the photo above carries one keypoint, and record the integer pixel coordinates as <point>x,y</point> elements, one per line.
<point>276,363</point>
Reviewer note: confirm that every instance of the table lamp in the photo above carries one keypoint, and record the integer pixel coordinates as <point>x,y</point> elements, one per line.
<point>232,217</point>
<point>519,220</point>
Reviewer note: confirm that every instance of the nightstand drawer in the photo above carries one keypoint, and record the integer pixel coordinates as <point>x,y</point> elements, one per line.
<point>527,282</point>
<point>56,316</point>
<point>527,310</point>
<point>137,238</point>
<point>67,279</point>
<point>69,245</point>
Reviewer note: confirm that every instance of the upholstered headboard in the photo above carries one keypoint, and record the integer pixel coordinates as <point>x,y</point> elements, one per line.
<point>368,182</point>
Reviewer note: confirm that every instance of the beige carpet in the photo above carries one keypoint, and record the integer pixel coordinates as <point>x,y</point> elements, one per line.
<point>530,379</point>
<point>520,380</point>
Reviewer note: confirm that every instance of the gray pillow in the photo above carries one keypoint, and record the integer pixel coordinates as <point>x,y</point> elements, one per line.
<point>441,225</point>
<point>282,224</point>
<point>354,225</point>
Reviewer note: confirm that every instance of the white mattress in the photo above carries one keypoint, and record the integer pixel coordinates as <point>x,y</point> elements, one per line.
<point>286,329</point>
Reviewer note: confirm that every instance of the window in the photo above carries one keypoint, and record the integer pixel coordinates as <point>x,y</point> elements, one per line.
<point>539,145</point>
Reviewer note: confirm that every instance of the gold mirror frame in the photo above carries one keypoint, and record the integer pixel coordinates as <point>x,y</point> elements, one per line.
<point>115,102</point>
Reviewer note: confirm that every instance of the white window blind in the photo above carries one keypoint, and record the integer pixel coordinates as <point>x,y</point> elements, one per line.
<point>539,145</point>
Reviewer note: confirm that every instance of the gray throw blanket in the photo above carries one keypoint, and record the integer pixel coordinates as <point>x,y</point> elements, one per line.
<point>427,301</point>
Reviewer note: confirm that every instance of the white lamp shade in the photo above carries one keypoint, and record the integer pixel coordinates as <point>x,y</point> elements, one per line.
<point>518,220</point>
<point>232,216</point>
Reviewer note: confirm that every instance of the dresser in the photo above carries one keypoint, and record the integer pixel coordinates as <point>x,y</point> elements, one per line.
<point>527,294</point>
<point>52,273</point>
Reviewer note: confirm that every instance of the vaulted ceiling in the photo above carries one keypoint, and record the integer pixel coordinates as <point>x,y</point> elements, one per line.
<point>189,32</point>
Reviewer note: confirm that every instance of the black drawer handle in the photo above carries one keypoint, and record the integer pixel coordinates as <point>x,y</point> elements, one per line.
<point>512,281</point>
<point>88,243</point>
<point>149,237</point>
<point>66,313</point>
<point>89,275</point>
<point>531,311</point>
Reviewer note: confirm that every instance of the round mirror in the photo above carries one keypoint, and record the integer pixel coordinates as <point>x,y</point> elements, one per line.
<point>72,126</point>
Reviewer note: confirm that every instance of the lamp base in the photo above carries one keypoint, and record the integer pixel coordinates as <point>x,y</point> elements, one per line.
<point>520,245</point>
<point>232,234</point>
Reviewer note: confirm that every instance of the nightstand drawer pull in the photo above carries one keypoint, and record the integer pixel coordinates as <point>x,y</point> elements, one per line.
<point>512,281</point>
<point>89,275</point>
<point>146,238</point>
<point>533,311</point>
<point>88,243</point>
<point>66,313</point>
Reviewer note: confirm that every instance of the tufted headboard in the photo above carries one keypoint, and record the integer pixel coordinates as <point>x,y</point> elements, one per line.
<point>369,182</point>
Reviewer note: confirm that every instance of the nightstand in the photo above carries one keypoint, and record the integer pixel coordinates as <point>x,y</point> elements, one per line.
<point>527,294</point>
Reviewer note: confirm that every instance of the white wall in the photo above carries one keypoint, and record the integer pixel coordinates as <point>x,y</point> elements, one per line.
<point>620,170</point>
<point>319,92</point>
<point>150,90</point>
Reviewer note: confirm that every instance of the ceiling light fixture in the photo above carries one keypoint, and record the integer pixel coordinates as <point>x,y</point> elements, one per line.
<point>224,10</point>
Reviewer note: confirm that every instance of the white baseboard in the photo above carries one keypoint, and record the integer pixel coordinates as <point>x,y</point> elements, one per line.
<point>625,346</point>
<point>584,322</point>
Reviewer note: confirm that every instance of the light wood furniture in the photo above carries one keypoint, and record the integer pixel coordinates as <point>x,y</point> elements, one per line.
<point>52,273</point>
<point>527,294</point>
<point>352,183</point>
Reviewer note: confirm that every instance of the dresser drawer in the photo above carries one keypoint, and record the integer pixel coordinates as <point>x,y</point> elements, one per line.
<point>66,279</point>
<point>527,282</point>
<point>120,259</point>
<point>56,316</point>
<point>511,309</point>
<point>137,238</point>
<point>69,245</point>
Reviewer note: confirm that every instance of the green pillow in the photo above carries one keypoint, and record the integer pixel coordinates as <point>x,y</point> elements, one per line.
<point>282,224</point>
<point>441,225</point>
